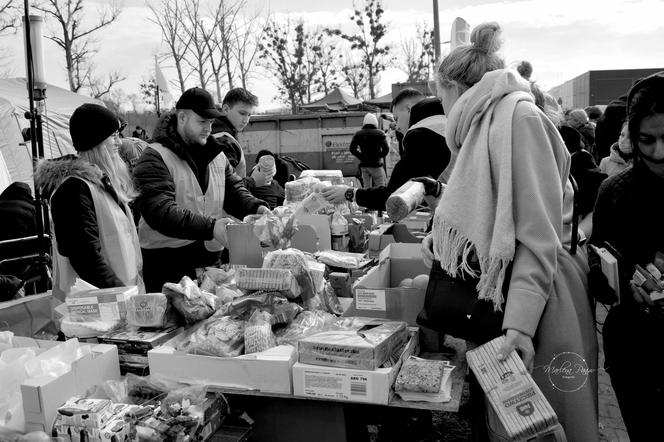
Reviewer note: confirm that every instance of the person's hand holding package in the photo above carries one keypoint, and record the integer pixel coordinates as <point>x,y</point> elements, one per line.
<point>335,194</point>
<point>433,189</point>
<point>516,340</point>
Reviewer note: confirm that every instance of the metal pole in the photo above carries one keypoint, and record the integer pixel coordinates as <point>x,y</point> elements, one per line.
<point>436,30</point>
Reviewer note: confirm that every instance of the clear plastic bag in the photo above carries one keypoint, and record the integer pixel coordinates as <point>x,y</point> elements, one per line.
<point>275,230</point>
<point>193,303</point>
<point>147,310</point>
<point>258,334</point>
<point>295,261</point>
<point>220,336</point>
<point>305,324</point>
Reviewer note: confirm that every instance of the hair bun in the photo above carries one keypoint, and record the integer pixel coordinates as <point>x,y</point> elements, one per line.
<point>486,37</point>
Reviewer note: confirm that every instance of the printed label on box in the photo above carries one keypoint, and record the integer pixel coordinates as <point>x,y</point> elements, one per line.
<point>336,385</point>
<point>370,299</point>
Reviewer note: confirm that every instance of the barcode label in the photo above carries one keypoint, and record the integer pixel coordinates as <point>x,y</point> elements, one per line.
<point>358,389</point>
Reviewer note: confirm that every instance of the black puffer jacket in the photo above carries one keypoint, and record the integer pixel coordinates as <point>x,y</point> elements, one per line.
<point>17,212</point>
<point>74,217</point>
<point>425,154</point>
<point>157,189</point>
<point>369,145</point>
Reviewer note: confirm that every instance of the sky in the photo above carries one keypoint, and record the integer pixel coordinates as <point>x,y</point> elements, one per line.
<point>562,38</point>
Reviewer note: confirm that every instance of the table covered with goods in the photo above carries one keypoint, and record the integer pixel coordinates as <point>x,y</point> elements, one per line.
<point>279,344</point>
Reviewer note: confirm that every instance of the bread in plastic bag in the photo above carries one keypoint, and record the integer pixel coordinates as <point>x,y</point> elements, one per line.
<point>194,304</point>
<point>404,200</point>
<point>147,310</point>
<point>281,280</point>
<point>220,336</point>
<point>258,334</point>
<point>295,261</point>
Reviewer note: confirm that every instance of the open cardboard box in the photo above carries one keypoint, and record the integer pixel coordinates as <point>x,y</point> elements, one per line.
<point>376,293</point>
<point>387,234</point>
<point>345,384</point>
<point>268,371</point>
<point>43,395</point>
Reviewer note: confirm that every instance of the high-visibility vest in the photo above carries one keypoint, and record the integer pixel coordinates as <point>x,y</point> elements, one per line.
<point>190,196</point>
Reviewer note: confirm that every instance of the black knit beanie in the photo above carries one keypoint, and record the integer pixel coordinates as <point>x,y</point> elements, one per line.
<point>90,124</point>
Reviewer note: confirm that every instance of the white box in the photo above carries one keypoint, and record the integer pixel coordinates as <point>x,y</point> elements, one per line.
<point>103,304</point>
<point>268,371</point>
<point>345,384</point>
<point>43,395</point>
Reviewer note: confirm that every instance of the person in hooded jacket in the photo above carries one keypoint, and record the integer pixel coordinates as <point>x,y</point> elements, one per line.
<point>187,188</point>
<point>629,216</point>
<point>369,145</point>
<point>425,154</point>
<point>89,193</point>
<point>609,126</point>
<point>621,155</point>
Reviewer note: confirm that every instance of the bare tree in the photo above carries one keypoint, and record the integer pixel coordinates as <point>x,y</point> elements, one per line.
<point>197,56</point>
<point>167,14</point>
<point>354,75</point>
<point>9,15</point>
<point>102,86</point>
<point>245,42</point>
<point>328,59</point>
<point>74,38</point>
<point>418,55</point>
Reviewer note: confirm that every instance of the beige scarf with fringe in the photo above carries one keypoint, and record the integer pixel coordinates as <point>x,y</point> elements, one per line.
<point>474,215</point>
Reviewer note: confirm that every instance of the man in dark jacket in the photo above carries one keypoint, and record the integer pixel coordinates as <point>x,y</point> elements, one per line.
<point>265,188</point>
<point>17,218</point>
<point>369,145</point>
<point>609,126</point>
<point>185,182</point>
<point>425,154</point>
<point>236,109</point>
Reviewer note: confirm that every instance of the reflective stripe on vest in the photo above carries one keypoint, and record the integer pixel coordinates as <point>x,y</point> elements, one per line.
<point>188,195</point>
<point>118,239</point>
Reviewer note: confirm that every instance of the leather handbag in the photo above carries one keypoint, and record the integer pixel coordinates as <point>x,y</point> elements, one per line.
<point>451,306</point>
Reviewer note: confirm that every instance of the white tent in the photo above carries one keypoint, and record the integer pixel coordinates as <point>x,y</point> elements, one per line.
<point>59,105</point>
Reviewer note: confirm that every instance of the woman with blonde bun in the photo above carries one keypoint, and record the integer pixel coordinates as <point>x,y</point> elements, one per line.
<point>505,219</point>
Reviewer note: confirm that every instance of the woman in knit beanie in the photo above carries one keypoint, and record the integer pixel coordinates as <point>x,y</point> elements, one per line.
<point>89,193</point>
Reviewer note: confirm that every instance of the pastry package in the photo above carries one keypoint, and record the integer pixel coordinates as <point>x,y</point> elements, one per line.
<point>513,394</point>
<point>280,280</point>
<point>420,375</point>
<point>404,200</point>
<point>365,348</point>
<point>147,310</point>
<point>258,334</point>
<point>295,261</point>
<point>220,336</point>
<point>194,304</point>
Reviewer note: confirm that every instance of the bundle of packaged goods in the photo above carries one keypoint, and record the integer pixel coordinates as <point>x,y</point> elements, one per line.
<point>333,176</point>
<point>357,360</point>
<point>424,380</point>
<point>522,409</point>
<point>651,278</point>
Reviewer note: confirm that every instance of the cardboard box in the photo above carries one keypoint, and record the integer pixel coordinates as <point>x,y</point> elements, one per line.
<point>344,384</point>
<point>102,304</point>
<point>387,234</point>
<point>268,371</point>
<point>43,395</point>
<point>377,294</point>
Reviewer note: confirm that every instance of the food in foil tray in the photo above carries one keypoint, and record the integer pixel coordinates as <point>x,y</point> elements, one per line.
<point>220,336</point>
<point>280,280</point>
<point>147,310</point>
<point>404,200</point>
<point>194,304</point>
<point>365,348</point>
<point>420,375</point>
<point>295,261</point>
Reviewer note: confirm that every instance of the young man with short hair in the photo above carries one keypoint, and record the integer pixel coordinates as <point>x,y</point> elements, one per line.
<point>236,109</point>
<point>400,108</point>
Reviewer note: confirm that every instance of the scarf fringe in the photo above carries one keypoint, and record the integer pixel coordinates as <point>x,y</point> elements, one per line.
<point>453,250</point>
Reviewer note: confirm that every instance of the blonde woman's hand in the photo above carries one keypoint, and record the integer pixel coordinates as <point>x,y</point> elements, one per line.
<point>427,250</point>
<point>515,340</point>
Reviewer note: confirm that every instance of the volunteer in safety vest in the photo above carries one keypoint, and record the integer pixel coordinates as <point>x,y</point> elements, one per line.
<point>186,188</point>
<point>95,238</point>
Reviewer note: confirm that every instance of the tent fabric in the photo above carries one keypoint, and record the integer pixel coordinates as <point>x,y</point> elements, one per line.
<point>384,101</point>
<point>338,99</point>
<point>59,105</point>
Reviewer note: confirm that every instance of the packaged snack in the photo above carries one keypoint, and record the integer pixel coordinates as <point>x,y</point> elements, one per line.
<point>280,280</point>
<point>216,336</point>
<point>147,310</point>
<point>334,176</point>
<point>344,260</point>
<point>404,200</point>
<point>275,230</point>
<point>194,304</point>
<point>295,261</point>
<point>330,300</point>
<point>421,375</point>
<point>87,413</point>
<point>258,334</point>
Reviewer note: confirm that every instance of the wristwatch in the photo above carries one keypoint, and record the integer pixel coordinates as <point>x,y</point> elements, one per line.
<point>350,194</point>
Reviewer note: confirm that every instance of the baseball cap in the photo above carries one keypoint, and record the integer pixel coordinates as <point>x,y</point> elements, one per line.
<point>200,101</point>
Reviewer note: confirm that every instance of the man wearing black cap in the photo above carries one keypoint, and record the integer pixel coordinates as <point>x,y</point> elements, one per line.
<point>187,186</point>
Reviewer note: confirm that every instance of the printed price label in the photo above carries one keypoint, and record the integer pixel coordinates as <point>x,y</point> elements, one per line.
<point>370,299</point>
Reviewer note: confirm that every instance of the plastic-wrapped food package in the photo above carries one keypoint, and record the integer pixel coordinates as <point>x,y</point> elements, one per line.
<point>305,324</point>
<point>6,339</point>
<point>404,200</point>
<point>420,375</point>
<point>275,230</point>
<point>334,176</point>
<point>330,300</point>
<point>194,304</point>
<point>296,191</point>
<point>147,310</point>
<point>258,334</point>
<point>280,280</point>
<point>216,336</point>
<point>344,260</point>
<point>214,277</point>
<point>295,261</point>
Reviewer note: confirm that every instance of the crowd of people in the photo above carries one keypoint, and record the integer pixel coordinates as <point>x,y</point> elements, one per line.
<point>517,187</point>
